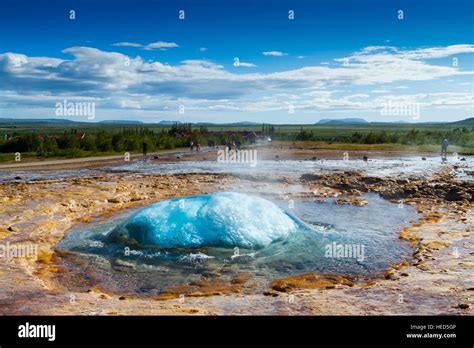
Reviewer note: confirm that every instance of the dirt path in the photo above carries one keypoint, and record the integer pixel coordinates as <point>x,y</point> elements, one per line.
<point>95,161</point>
<point>266,151</point>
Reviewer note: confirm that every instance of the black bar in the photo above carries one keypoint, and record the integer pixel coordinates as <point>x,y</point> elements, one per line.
<point>291,331</point>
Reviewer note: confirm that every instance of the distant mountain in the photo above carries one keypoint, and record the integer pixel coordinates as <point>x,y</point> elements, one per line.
<point>120,122</point>
<point>168,123</point>
<point>327,121</point>
<point>210,124</point>
<point>393,122</point>
<point>342,121</point>
<point>117,122</point>
<point>466,122</point>
<point>243,123</point>
<point>35,120</point>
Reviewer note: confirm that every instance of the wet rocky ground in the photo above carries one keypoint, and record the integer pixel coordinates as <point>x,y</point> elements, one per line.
<point>437,280</point>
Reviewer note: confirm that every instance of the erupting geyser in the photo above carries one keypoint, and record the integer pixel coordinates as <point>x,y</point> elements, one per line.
<point>226,219</point>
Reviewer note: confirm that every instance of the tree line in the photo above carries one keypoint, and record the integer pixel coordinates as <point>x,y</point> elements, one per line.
<point>459,136</point>
<point>71,143</point>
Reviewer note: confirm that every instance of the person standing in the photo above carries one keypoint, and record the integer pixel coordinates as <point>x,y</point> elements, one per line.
<point>444,149</point>
<point>145,148</point>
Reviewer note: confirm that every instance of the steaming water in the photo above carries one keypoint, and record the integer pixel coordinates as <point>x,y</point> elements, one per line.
<point>181,240</point>
<point>399,167</point>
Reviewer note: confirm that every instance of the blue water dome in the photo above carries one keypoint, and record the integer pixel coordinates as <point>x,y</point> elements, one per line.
<point>224,219</point>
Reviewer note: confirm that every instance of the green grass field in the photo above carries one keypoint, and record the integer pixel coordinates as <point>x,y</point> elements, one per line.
<point>337,137</point>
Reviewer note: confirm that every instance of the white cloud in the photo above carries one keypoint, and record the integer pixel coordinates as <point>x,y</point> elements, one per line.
<point>160,45</point>
<point>420,53</point>
<point>370,49</point>
<point>437,52</point>
<point>115,80</point>
<point>127,44</point>
<point>386,68</point>
<point>246,65</point>
<point>274,53</point>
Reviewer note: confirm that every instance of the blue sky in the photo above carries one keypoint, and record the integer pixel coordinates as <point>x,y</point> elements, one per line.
<point>335,59</point>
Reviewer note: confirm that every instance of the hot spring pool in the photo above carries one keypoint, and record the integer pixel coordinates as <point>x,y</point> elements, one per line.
<point>177,241</point>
